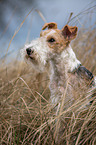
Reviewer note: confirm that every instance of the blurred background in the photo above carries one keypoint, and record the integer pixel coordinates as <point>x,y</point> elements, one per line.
<point>21,20</point>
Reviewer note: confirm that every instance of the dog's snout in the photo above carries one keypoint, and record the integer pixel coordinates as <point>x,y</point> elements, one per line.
<point>29,51</point>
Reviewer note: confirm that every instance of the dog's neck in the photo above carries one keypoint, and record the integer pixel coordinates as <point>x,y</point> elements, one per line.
<point>64,63</point>
<point>61,66</point>
<point>69,59</point>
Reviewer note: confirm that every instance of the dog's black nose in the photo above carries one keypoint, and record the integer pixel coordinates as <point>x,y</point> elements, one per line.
<point>28,51</point>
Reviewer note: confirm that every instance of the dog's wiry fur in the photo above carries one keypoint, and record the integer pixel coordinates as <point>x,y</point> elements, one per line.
<point>67,77</point>
<point>38,61</point>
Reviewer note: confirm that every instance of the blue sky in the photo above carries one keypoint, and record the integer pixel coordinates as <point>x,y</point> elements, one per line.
<point>53,10</point>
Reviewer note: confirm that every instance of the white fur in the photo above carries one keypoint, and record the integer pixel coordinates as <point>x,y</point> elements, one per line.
<point>95,81</point>
<point>61,65</point>
<point>51,32</point>
<point>69,59</point>
<point>40,52</point>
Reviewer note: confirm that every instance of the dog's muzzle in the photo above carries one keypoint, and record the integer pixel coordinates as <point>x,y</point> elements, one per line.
<point>29,51</point>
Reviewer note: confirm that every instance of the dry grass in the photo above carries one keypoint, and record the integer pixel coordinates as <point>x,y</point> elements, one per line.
<point>26,115</point>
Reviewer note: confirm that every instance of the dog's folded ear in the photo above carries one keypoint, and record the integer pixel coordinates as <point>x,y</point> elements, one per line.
<point>69,32</point>
<point>51,25</point>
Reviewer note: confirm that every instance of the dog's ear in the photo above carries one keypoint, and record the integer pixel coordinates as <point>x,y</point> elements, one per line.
<point>51,25</point>
<point>69,32</point>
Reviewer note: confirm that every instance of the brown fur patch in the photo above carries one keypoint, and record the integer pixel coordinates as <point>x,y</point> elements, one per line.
<point>51,25</point>
<point>61,38</point>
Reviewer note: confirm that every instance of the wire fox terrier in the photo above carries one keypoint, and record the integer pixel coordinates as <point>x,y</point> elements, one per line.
<point>67,77</point>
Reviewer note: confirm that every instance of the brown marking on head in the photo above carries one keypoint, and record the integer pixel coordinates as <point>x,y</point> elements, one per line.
<point>69,32</point>
<point>56,39</point>
<point>51,25</point>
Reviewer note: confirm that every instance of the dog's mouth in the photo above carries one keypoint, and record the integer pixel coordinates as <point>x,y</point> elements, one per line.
<point>30,57</point>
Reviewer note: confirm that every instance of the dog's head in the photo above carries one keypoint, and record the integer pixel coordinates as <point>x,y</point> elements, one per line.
<point>52,41</point>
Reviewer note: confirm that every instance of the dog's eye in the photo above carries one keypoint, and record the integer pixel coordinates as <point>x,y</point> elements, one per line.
<point>51,40</point>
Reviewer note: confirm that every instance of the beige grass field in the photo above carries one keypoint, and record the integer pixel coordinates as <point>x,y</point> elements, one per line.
<point>26,115</point>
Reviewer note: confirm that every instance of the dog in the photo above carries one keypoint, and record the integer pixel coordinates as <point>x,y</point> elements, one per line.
<point>52,52</point>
